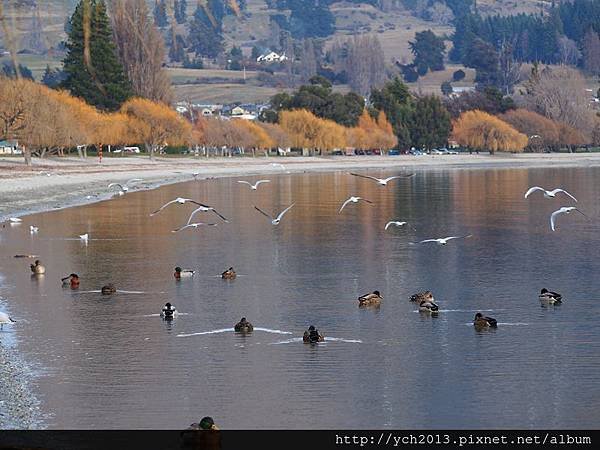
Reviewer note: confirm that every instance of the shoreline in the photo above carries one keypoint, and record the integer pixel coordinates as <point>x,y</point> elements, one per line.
<point>57,183</point>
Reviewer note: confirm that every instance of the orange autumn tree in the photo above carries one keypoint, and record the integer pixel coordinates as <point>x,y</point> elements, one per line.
<point>372,134</point>
<point>308,132</point>
<point>159,124</point>
<point>259,138</point>
<point>541,131</point>
<point>479,130</point>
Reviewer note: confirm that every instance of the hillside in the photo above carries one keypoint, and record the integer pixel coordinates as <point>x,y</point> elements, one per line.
<point>40,23</point>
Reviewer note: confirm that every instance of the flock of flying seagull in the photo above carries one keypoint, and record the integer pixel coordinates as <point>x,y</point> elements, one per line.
<point>425,298</point>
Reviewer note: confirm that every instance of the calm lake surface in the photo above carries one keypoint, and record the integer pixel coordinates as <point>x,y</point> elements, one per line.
<point>111,362</point>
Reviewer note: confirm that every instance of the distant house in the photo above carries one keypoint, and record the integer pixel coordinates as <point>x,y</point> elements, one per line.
<point>10,148</point>
<point>457,90</point>
<point>272,57</point>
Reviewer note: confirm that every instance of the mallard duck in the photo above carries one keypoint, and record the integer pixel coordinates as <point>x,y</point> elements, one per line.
<point>204,434</point>
<point>108,289</point>
<point>372,299</point>
<point>229,274</point>
<point>37,267</point>
<point>243,326</point>
<point>312,336</point>
<point>168,312</point>
<point>422,296</point>
<point>550,297</point>
<point>71,280</point>
<point>482,321</point>
<point>428,307</point>
<point>183,273</point>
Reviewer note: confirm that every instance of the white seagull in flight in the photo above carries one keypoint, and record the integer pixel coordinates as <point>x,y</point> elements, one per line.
<point>548,194</point>
<point>33,229</point>
<point>353,200</point>
<point>124,187</point>
<point>563,210</point>
<point>394,222</point>
<point>382,181</point>
<point>255,185</point>
<point>84,237</point>
<point>204,208</point>
<point>278,218</point>
<point>444,241</point>
<point>179,200</point>
<point>193,225</point>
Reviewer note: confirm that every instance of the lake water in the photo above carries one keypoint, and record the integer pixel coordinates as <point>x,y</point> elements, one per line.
<point>111,362</point>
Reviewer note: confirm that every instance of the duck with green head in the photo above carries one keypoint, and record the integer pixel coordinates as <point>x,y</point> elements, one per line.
<point>312,336</point>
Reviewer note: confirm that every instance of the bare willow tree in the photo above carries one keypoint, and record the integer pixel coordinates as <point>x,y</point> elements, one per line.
<point>559,93</point>
<point>141,49</point>
<point>365,63</point>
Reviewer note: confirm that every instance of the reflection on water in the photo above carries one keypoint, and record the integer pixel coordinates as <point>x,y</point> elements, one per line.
<point>111,362</point>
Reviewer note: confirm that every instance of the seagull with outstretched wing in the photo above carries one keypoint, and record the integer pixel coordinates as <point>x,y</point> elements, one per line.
<point>353,200</point>
<point>444,241</point>
<point>254,186</point>
<point>205,208</point>
<point>178,200</point>
<point>193,225</point>
<point>274,221</point>
<point>547,194</point>
<point>382,181</point>
<point>123,188</point>
<point>563,210</point>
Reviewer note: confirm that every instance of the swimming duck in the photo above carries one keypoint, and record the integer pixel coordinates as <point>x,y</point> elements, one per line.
<point>229,274</point>
<point>243,326</point>
<point>71,280</point>
<point>550,297</point>
<point>168,312</point>
<point>37,268</point>
<point>183,273</point>
<point>422,296</point>
<point>428,307</point>
<point>312,336</point>
<point>204,434</point>
<point>482,321</point>
<point>372,299</point>
<point>108,289</point>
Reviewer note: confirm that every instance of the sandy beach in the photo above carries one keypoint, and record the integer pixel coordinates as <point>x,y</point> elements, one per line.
<point>55,183</point>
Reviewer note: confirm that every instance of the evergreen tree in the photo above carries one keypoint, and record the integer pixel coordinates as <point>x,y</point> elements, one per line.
<point>180,11</point>
<point>205,36</point>
<point>52,77</point>
<point>94,73</point>
<point>428,50</point>
<point>8,70</point>
<point>483,57</point>
<point>160,14</point>
<point>429,123</point>
<point>395,100</point>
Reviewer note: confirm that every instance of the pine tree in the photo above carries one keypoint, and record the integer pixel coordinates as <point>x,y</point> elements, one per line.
<point>180,11</point>
<point>428,50</point>
<point>205,36</point>
<point>429,123</point>
<point>93,71</point>
<point>160,14</point>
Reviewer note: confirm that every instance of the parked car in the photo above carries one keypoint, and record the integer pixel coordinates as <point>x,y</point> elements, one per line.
<point>337,153</point>
<point>416,152</point>
<point>451,152</point>
<point>394,152</point>
<point>435,151</point>
<point>359,152</point>
<point>377,151</point>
